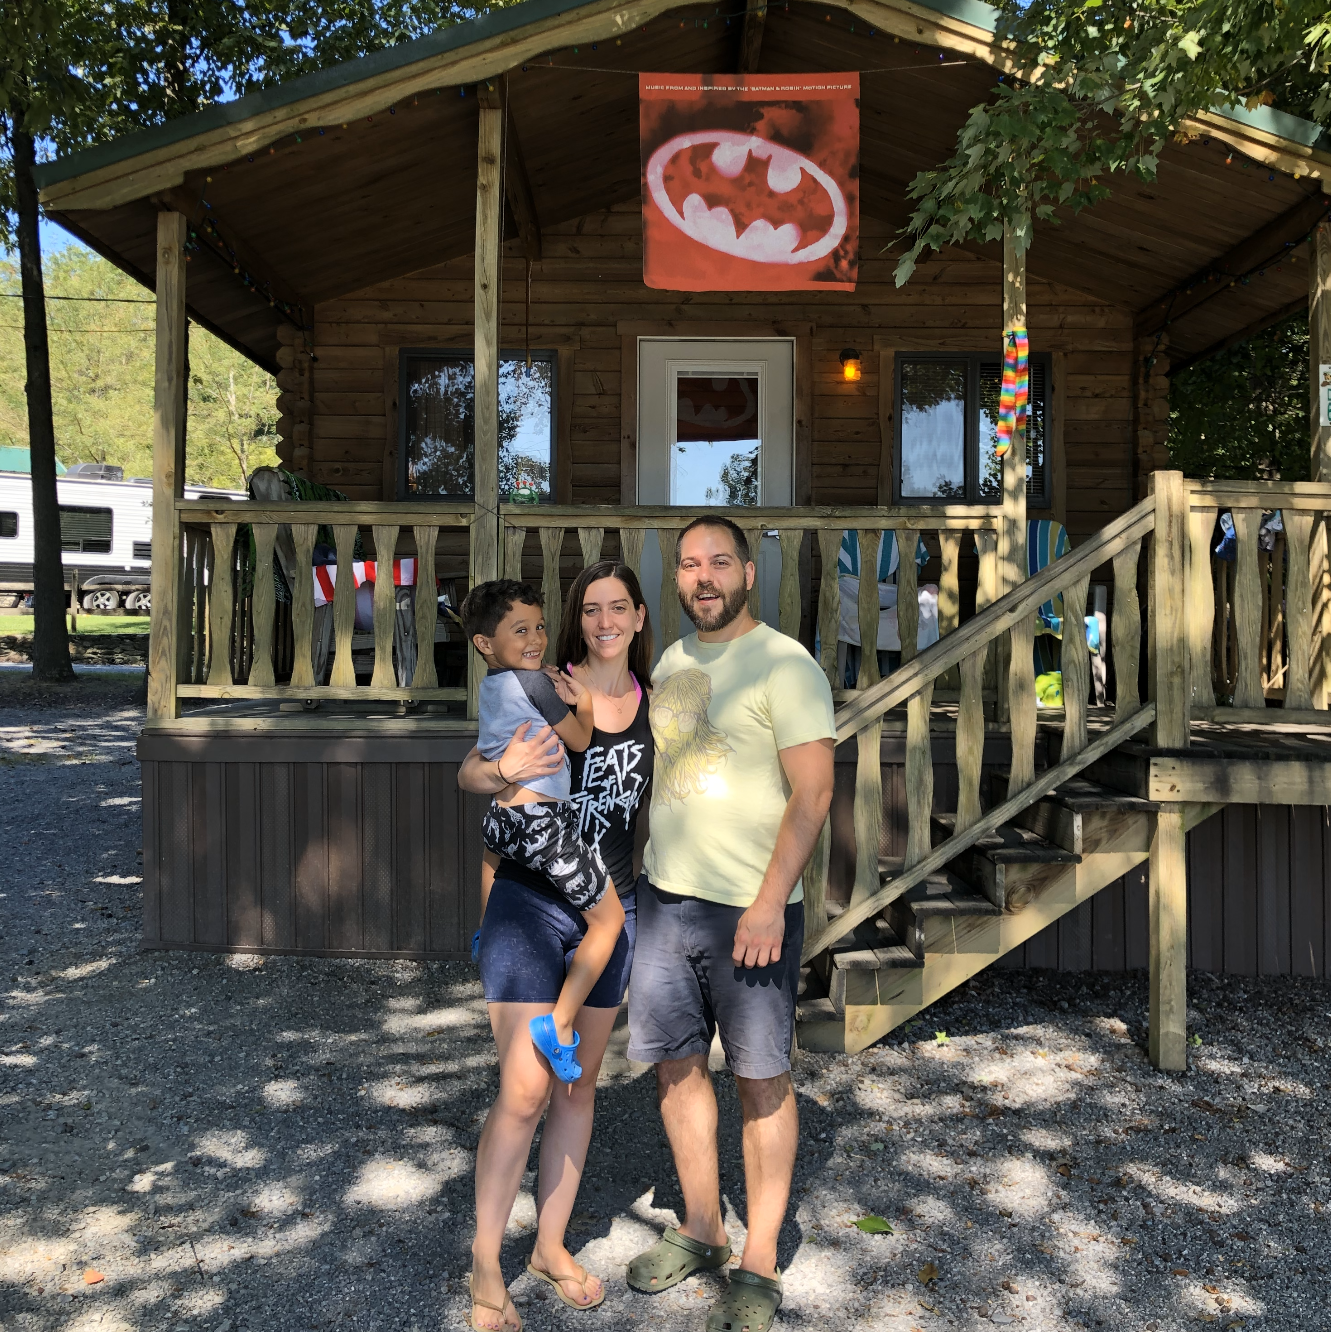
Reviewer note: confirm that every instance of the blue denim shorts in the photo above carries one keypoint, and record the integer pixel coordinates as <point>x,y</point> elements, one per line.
<point>528,939</point>
<point>686,985</point>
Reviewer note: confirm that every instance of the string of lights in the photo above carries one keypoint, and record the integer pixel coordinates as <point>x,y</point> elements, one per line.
<point>207,232</point>
<point>1228,280</point>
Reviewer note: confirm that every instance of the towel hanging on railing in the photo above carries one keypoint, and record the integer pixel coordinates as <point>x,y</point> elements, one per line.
<point>1016,390</point>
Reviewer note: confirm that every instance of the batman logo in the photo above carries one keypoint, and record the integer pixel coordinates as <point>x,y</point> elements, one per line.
<point>718,226</point>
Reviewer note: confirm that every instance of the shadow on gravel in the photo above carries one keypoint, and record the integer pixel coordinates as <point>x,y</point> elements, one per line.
<point>232,1142</point>
<point>236,1143</point>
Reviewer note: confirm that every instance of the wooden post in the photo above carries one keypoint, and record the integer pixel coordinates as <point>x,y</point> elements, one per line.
<point>1169,941</point>
<point>168,466</point>
<point>1168,611</point>
<point>489,209</point>
<point>1012,526</point>
<point>1012,531</point>
<point>1319,359</point>
<point>74,578</point>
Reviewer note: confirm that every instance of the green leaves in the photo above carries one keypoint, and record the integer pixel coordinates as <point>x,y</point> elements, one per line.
<point>874,1225</point>
<point>1106,84</point>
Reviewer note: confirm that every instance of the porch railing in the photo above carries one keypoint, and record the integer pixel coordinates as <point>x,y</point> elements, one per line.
<point>234,640</point>
<point>237,641</point>
<point>798,531</point>
<point>1259,610</point>
<point>1009,622</point>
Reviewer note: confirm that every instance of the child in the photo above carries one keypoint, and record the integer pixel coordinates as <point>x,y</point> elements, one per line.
<point>537,825</point>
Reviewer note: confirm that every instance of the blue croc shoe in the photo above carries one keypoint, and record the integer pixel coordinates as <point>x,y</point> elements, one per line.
<point>561,1057</point>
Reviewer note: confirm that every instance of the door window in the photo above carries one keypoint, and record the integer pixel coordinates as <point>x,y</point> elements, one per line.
<point>717,456</point>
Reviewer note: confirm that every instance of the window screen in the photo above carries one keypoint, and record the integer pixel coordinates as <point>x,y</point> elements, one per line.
<point>8,524</point>
<point>947,428</point>
<point>86,530</point>
<point>438,427</point>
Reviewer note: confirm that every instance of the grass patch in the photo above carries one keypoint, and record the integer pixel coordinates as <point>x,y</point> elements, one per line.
<point>88,624</point>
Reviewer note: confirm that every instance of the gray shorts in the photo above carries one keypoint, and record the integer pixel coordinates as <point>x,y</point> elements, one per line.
<point>685,985</point>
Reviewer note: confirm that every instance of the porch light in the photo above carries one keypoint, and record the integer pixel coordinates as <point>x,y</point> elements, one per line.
<point>851,368</point>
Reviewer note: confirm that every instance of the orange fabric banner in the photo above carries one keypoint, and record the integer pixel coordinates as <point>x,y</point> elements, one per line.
<point>750,182</point>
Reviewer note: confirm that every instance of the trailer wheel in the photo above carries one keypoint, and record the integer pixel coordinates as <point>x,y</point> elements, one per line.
<point>139,601</point>
<point>101,599</point>
<point>9,600</point>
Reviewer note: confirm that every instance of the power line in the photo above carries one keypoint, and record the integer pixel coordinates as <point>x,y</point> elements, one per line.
<point>105,300</point>
<point>49,329</point>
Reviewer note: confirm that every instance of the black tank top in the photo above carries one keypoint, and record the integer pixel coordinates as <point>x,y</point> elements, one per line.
<point>610,781</point>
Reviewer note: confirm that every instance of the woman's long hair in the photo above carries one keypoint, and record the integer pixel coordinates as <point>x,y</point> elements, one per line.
<point>572,647</point>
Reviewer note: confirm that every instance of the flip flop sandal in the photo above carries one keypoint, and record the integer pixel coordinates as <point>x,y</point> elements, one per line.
<point>562,1057</point>
<point>671,1259</point>
<point>500,1309</point>
<point>749,1304</point>
<point>556,1282</point>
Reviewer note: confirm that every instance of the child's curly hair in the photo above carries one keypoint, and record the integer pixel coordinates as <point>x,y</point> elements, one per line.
<point>487,604</point>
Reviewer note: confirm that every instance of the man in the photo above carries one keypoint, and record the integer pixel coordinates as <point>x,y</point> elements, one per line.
<point>742,720</point>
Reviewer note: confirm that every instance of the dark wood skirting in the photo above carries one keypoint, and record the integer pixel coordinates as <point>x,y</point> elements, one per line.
<point>1259,902</point>
<point>309,844</point>
<point>361,845</point>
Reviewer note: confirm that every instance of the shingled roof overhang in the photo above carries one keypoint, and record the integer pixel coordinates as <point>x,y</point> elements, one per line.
<point>320,194</point>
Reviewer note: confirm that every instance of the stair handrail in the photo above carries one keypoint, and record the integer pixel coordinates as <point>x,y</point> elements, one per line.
<point>1024,599</point>
<point>945,851</point>
<point>1003,615</point>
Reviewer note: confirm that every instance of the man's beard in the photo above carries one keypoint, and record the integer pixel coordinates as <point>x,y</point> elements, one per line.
<point>723,614</point>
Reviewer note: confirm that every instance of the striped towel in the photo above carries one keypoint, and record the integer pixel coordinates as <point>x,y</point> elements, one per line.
<point>362,571</point>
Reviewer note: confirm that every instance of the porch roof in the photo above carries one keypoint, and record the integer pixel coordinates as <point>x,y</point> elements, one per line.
<point>366,171</point>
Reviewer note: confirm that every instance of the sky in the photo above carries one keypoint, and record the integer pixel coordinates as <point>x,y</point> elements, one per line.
<point>54,238</point>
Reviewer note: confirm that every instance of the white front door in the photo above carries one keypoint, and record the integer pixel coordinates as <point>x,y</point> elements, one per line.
<point>716,426</point>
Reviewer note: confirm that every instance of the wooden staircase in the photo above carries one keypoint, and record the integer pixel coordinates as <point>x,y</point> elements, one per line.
<point>1006,887</point>
<point>1123,784</point>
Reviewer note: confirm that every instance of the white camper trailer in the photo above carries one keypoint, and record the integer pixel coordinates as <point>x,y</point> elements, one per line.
<point>105,533</point>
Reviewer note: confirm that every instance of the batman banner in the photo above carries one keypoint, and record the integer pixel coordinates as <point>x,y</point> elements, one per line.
<point>750,182</point>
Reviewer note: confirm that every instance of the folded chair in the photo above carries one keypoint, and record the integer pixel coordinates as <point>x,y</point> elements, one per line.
<point>1047,541</point>
<point>848,582</point>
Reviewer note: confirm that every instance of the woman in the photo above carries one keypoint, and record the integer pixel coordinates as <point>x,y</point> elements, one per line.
<point>528,934</point>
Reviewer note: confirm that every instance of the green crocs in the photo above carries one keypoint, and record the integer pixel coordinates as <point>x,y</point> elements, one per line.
<point>749,1304</point>
<point>673,1258</point>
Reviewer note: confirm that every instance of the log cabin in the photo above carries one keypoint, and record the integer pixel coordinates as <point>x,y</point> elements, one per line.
<point>438,251</point>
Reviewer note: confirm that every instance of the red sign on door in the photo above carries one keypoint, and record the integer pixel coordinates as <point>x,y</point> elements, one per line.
<point>750,182</point>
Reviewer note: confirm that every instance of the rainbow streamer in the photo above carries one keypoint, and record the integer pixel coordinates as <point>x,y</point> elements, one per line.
<point>1016,390</point>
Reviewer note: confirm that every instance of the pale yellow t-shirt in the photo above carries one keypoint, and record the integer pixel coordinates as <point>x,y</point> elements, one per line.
<point>720,712</point>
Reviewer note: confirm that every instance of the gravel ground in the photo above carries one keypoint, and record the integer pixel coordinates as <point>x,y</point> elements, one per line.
<point>221,1143</point>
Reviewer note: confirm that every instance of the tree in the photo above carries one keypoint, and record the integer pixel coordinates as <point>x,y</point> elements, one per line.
<point>38,52</point>
<point>1098,87</point>
<point>1243,413</point>
<point>76,72</point>
<point>100,323</point>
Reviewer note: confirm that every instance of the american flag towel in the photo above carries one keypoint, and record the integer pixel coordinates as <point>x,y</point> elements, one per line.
<point>363,571</point>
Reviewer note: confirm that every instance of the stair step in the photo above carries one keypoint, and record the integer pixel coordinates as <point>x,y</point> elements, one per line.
<point>1083,796</point>
<point>875,959</point>
<point>1010,865</point>
<point>817,1010</point>
<point>1084,817</point>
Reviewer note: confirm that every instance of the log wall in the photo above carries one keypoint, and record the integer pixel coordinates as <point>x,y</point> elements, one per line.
<point>590,280</point>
